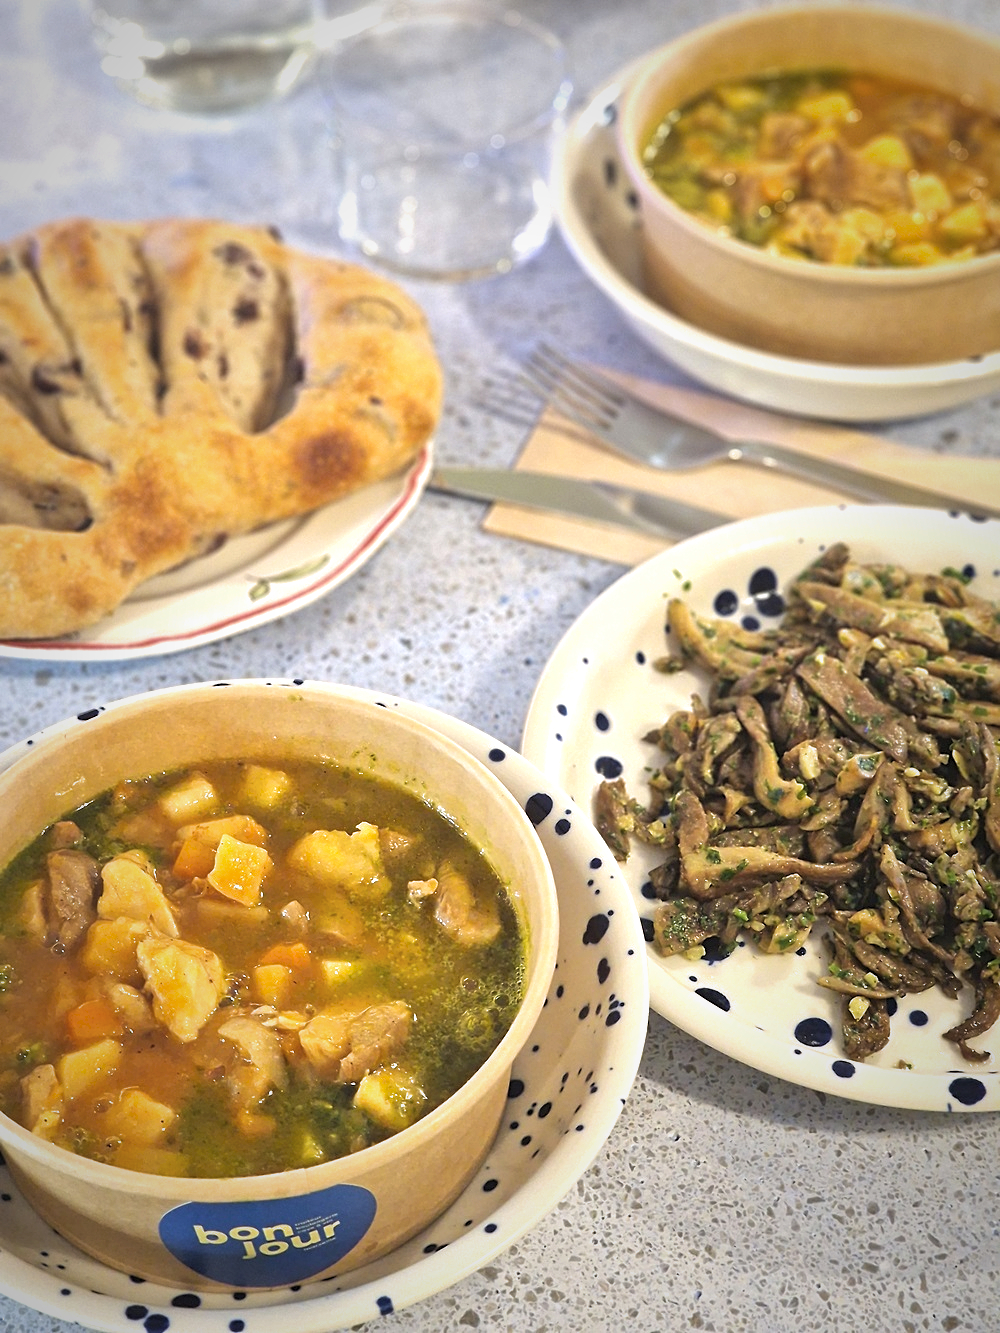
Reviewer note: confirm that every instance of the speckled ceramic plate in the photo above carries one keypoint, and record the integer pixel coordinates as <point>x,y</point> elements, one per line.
<point>252,579</point>
<point>599,222</point>
<point>598,696</point>
<point>568,1087</point>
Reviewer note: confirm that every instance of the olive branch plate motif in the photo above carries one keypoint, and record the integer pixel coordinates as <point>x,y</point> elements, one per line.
<point>262,586</point>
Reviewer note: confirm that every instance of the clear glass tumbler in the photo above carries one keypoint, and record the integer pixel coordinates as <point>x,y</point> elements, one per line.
<point>204,56</point>
<point>443,121</point>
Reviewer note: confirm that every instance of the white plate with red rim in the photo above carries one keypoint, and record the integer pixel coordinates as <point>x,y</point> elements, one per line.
<point>251,580</point>
<point>600,224</point>
<point>599,695</point>
<point>567,1089</point>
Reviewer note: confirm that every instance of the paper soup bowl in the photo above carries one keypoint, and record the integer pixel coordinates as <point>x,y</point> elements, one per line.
<point>275,1230</point>
<point>820,311</point>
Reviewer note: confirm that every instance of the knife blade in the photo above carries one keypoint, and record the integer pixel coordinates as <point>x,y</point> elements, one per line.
<point>597,501</point>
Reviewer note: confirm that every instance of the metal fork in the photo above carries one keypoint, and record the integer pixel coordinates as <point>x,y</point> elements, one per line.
<point>650,435</point>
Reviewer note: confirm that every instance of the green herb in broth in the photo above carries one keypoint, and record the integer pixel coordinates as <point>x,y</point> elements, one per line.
<point>306,960</point>
<point>837,167</point>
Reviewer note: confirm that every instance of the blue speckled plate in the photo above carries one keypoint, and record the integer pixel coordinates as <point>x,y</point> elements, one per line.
<point>568,1087</point>
<point>599,695</point>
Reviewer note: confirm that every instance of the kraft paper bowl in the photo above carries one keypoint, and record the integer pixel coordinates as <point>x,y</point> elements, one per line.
<point>275,1230</point>
<point>854,316</point>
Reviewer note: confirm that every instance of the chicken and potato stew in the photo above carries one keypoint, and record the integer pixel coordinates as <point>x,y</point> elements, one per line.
<point>841,168</point>
<point>841,774</point>
<point>243,969</point>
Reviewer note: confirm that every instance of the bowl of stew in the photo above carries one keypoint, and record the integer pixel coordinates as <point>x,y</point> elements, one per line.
<point>823,182</point>
<point>267,953</point>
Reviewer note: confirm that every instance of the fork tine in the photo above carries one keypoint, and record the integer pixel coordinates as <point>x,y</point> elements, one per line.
<point>512,397</point>
<point>547,376</point>
<point>590,382</point>
<point>563,398</point>
<point>569,405</point>
<point>555,375</point>
<point>580,393</point>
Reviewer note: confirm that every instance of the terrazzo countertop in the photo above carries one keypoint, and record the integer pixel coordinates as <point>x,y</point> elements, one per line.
<point>724,1199</point>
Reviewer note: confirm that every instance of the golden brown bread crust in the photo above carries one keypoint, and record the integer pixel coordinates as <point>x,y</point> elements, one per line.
<point>165,384</point>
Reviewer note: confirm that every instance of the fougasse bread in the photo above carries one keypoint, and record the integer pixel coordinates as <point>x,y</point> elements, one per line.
<point>167,384</point>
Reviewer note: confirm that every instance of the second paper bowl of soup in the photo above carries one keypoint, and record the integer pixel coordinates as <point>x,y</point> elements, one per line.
<point>278,1228</point>
<point>841,311</point>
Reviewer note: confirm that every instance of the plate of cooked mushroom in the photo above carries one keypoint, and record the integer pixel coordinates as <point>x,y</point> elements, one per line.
<point>788,732</point>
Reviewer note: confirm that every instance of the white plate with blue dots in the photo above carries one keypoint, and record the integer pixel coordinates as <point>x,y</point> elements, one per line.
<point>599,695</point>
<point>568,1086</point>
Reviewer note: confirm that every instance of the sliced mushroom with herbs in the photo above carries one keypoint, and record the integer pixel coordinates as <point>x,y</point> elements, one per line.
<point>841,770</point>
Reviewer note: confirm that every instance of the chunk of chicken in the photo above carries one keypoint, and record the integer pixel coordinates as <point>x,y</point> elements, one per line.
<point>130,890</point>
<point>396,844</point>
<point>346,1046</point>
<point>457,912</point>
<point>341,860</point>
<point>837,176</point>
<point>42,1100</point>
<point>263,1062</point>
<point>31,916</point>
<point>185,981</point>
<point>781,132</point>
<point>132,1007</point>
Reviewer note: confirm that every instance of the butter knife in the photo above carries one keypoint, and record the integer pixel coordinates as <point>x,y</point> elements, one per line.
<point>597,501</point>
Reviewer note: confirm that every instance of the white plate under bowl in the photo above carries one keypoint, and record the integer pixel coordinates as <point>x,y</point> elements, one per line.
<point>252,579</point>
<point>567,1090</point>
<point>599,695</point>
<point>600,224</point>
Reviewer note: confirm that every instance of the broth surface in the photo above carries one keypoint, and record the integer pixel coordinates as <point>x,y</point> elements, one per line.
<point>242,969</point>
<point>843,168</point>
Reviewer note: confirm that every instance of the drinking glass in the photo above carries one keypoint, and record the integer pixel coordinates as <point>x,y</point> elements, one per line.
<point>204,56</point>
<point>443,120</point>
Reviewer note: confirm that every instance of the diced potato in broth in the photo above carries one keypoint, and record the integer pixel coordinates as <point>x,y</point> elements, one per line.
<point>257,985</point>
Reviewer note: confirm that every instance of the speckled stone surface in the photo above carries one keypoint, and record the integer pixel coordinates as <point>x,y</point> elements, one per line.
<point>724,1200</point>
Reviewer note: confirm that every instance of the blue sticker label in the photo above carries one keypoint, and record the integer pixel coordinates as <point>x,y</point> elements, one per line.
<point>269,1242</point>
